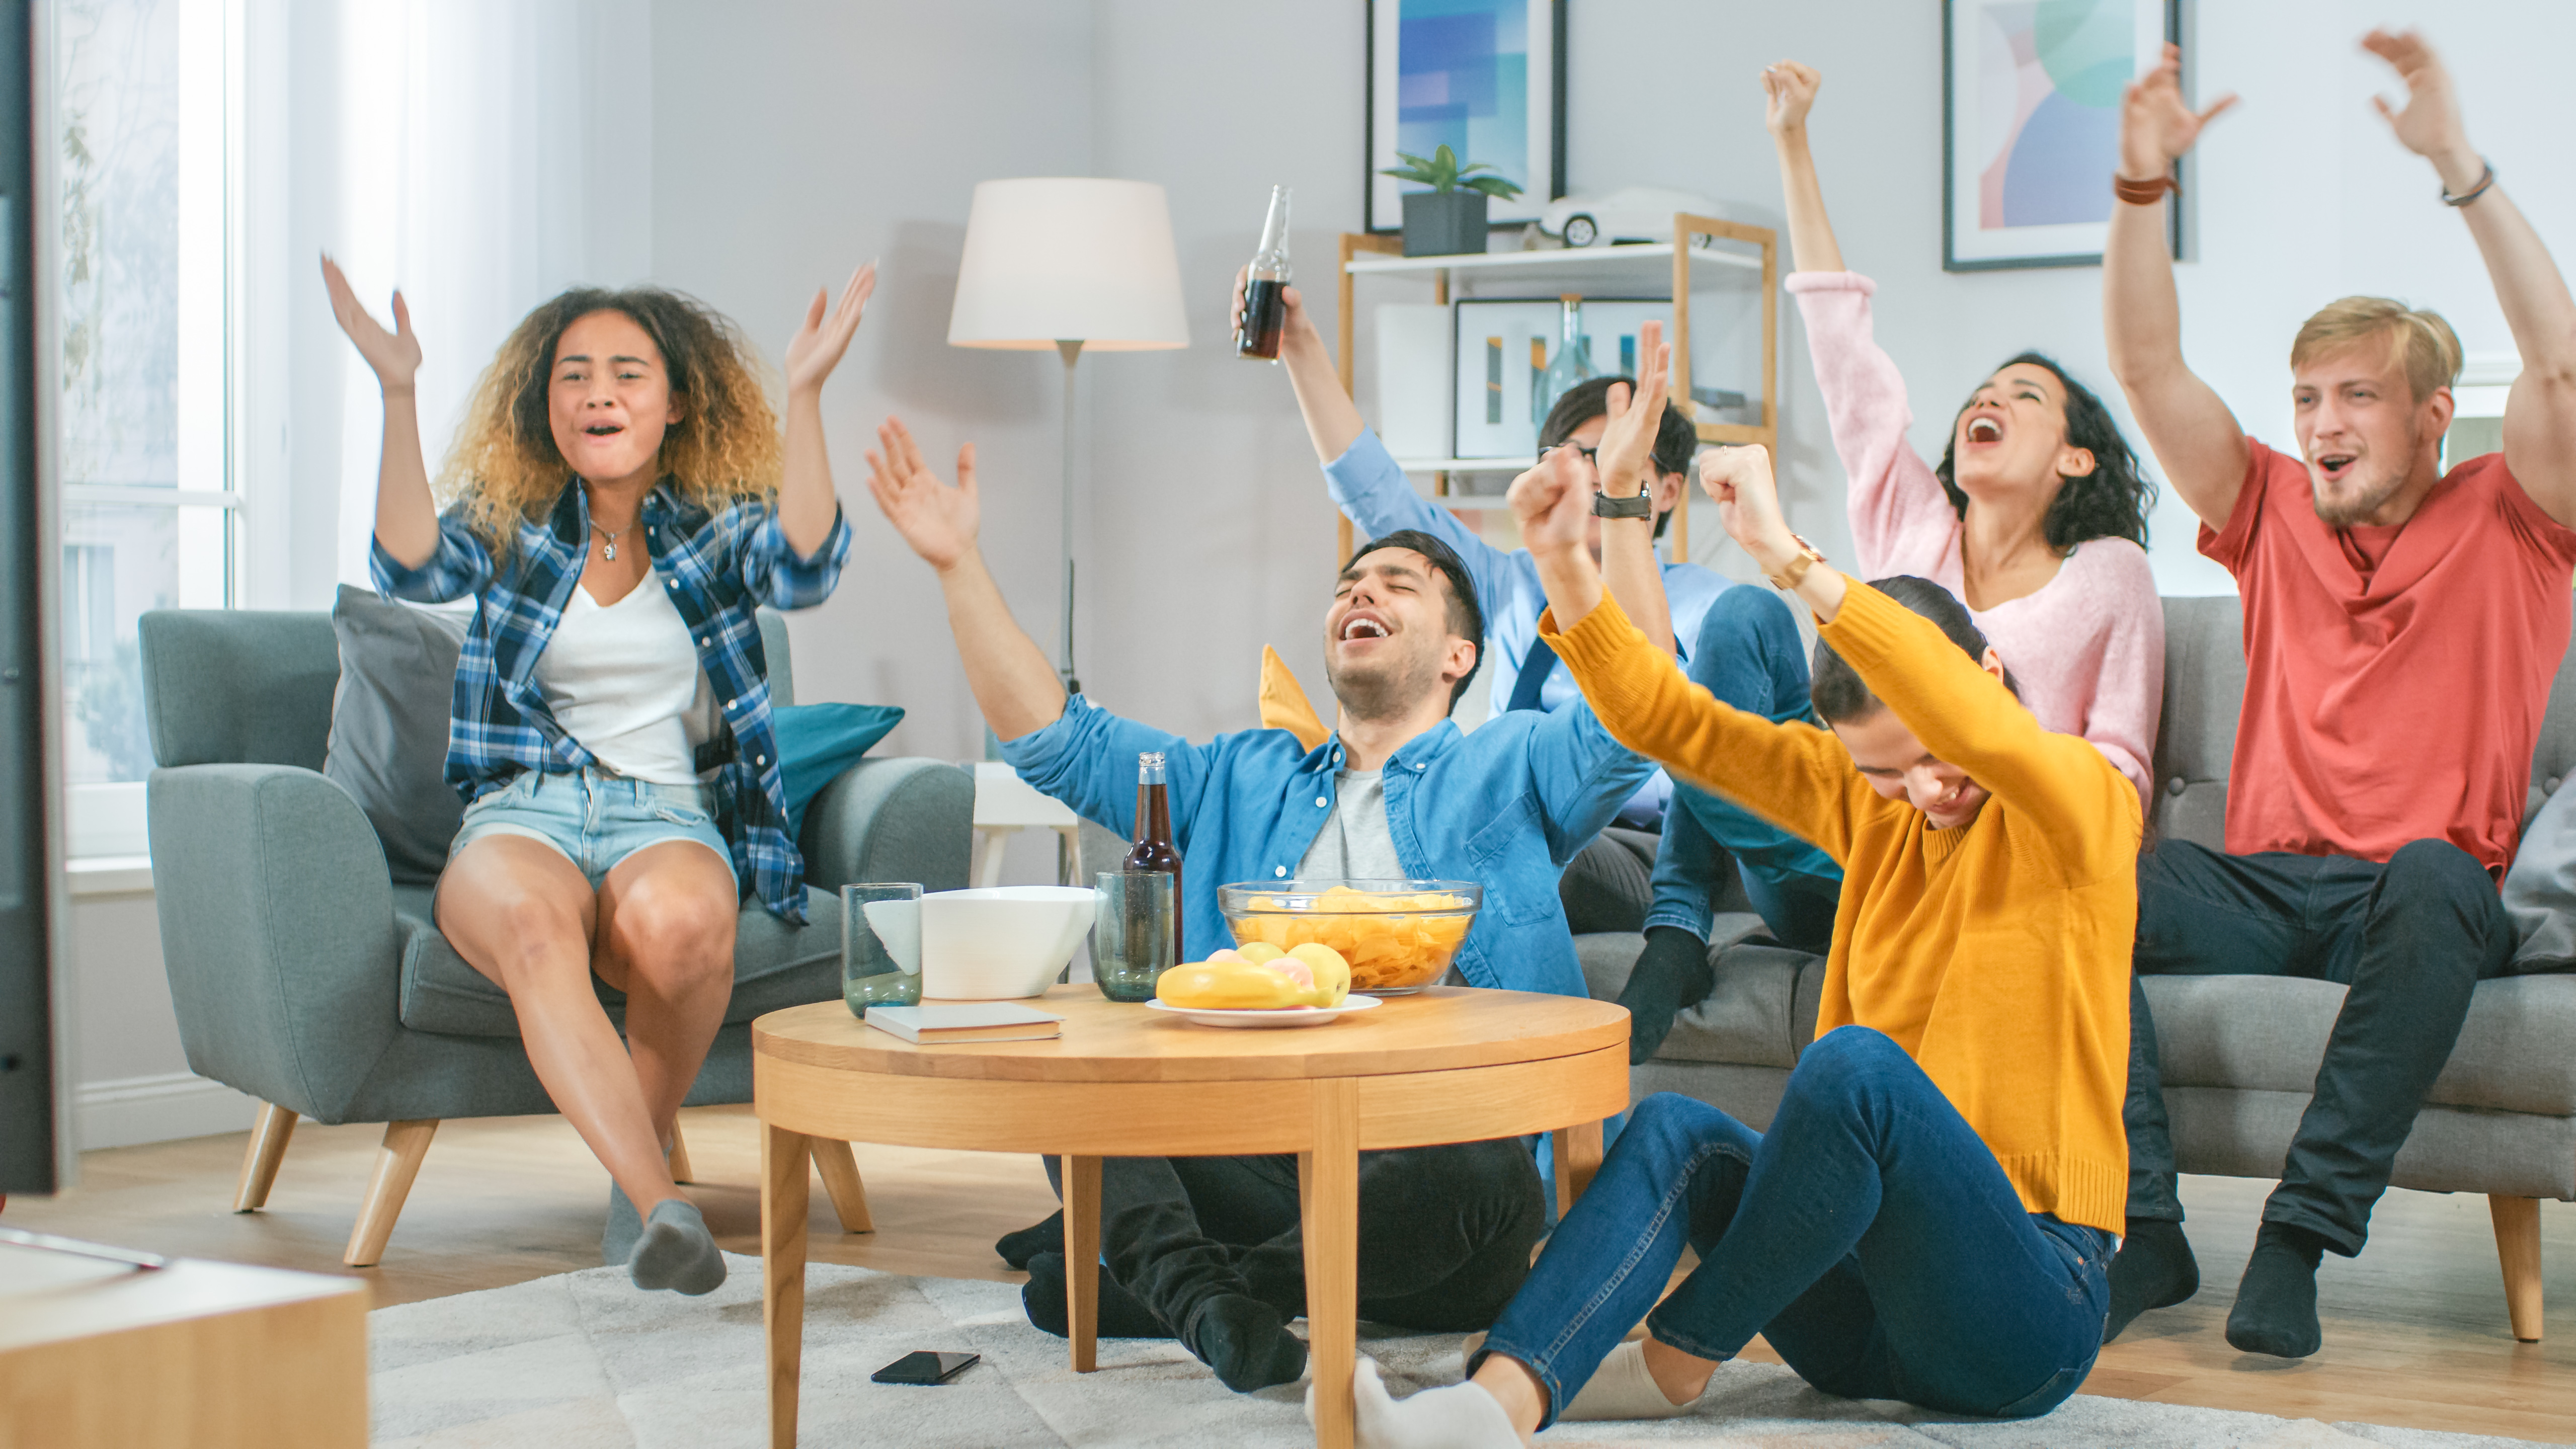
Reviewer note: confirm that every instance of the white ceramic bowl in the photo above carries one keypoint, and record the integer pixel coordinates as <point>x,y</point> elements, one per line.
<point>1000,942</point>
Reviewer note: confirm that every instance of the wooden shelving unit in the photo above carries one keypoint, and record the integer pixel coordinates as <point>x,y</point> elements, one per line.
<point>1595,271</point>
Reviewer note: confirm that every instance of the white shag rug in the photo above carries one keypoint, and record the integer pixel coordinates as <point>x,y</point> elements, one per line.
<point>584,1361</point>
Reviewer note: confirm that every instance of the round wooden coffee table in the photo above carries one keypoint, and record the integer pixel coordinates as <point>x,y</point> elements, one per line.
<point>1449,1064</point>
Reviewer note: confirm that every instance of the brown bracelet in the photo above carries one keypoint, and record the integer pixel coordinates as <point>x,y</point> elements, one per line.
<point>2143,193</point>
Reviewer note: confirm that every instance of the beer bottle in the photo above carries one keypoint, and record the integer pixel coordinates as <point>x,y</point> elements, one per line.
<point>1154,848</point>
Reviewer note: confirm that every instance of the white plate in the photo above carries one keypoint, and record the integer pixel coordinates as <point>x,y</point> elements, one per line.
<point>1243,1016</point>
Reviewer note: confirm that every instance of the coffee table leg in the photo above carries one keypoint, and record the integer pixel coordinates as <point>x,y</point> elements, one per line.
<point>784,1161</point>
<point>1577,1154</point>
<point>1082,1260</point>
<point>1328,1183</point>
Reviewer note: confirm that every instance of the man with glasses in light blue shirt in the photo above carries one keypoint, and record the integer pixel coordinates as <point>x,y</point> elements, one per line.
<point>1740,643</point>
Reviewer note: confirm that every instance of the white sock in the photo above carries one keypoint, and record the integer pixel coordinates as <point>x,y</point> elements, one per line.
<point>1461,1416</point>
<point>1622,1389</point>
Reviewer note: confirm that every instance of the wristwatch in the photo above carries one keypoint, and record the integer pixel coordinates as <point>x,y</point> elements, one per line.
<point>1635,505</point>
<point>1806,558</point>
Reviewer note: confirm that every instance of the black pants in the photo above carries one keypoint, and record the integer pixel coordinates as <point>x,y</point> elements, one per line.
<point>1445,1233</point>
<point>2408,940</point>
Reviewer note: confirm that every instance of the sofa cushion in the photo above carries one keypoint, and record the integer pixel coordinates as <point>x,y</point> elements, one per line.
<point>775,965</point>
<point>389,721</point>
<point>2516,1052</point>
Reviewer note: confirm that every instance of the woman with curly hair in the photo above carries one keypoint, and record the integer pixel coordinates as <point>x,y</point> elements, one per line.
<point>2036,517</point>
<point>618,504</point>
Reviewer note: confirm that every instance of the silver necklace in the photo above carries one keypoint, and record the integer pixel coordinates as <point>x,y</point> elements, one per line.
<point>608,550</point>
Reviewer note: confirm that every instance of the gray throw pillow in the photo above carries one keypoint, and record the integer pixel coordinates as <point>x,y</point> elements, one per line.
<point>389,726</point>
<point>2540,886</point>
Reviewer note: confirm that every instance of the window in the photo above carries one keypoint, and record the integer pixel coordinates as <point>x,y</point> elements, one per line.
<point>140,268</point>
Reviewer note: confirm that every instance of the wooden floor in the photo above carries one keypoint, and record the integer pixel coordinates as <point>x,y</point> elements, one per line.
<point>2414,1328</point>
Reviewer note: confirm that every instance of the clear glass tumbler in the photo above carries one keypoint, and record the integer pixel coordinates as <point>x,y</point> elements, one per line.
<point>880,945</point>
<point>1135,934</point>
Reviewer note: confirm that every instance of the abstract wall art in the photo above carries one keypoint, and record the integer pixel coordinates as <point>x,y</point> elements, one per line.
<point>2031,124</point>
<point>1485,78</point>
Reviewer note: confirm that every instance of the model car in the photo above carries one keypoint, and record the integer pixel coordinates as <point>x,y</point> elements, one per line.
<point>1631,213</point>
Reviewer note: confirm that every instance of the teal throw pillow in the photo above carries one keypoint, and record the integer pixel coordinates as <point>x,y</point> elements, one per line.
<point>816,742</point>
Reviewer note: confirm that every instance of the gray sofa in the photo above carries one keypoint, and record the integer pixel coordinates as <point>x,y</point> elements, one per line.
<point>303,976</point>
<point>2240,1053</point>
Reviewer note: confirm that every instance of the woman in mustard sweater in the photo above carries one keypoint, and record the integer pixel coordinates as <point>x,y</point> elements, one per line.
<point>1930,1214</point>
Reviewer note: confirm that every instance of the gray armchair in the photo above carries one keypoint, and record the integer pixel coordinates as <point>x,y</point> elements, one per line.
<point>2240,1053</point>
<point>303,976</point>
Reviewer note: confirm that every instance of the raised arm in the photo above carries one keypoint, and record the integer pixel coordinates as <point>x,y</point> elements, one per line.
<point>406,515</point>
<point>806,501</point>
<point>2540,412</point>
<point>1790,91</point>
<point>1014,684</point>
<point>1626,458</point>
<point>1332,419</point>
<point>2193,434</point>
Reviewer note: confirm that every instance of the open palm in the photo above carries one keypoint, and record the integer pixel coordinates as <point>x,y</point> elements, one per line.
<point>2156,124</point>
<point>1628,439</point>
<point>819,344</point>
<point>939,522</point>
<point>2429,123</point>
<point>395,355</point>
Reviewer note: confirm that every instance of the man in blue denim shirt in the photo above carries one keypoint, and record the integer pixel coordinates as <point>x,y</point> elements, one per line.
<point>1207,1248</point>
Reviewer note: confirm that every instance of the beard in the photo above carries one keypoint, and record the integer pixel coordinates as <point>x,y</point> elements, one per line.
<point>2366,498</point>
<point>1382,690</point>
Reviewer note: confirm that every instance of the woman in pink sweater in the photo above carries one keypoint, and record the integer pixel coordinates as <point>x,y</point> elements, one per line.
<point>2037,514</point>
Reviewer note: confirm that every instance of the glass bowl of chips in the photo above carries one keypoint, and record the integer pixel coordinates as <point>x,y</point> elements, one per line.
<point>1397,935</point>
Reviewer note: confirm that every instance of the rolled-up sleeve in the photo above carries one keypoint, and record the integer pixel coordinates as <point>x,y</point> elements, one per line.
<point>774,574</point>
<point>461,566</point>
<point>1087,759</point>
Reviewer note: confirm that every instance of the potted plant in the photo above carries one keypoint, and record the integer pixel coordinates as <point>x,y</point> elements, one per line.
<point>1450,217</point>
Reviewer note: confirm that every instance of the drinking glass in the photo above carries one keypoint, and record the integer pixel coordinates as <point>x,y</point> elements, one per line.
<point>880,945</point>
<point>1131,941</point>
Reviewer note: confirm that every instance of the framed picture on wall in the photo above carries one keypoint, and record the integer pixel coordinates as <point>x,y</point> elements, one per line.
<point>2030,125</point>
<point>1484,77</point>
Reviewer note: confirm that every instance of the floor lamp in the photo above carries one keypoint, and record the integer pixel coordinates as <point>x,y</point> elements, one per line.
<point>1068,262</point>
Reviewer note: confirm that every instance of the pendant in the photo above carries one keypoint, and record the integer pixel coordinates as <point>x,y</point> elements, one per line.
<point>608,551</point>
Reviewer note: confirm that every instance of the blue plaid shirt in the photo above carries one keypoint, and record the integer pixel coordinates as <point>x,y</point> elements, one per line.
<point>718,568</point>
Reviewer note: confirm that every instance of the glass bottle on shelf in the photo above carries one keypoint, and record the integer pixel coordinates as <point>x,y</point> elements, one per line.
<point>1265,305</point>
<point>1571,364</point>
<point>1154,850</point>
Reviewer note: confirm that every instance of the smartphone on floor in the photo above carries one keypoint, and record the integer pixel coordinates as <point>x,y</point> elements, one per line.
<point>924,1367</point>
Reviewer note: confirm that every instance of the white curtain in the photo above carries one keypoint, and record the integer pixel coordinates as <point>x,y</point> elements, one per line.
<point>490,153</point>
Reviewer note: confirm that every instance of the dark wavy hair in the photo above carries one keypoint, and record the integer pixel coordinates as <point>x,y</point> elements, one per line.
<point>2109,502</point>
<point>1675,439</point>
<point>1466,612</point>
<point>1835,688</point>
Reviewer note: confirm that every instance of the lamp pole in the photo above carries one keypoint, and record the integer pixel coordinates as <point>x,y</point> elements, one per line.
<point>1071,348</point>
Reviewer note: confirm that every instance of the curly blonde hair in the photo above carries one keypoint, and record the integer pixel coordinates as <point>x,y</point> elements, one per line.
<point>504,467</point>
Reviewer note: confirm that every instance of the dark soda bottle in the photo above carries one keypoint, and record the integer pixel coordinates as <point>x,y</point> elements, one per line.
<point>1265,286</point>
<point>1154,849</point>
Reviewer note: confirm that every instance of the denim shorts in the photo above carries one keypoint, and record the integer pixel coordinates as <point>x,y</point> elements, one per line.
<point>595,818</point>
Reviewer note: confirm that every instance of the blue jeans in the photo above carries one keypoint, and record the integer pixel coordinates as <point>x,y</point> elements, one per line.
<point>1746,655</point>
<point>1869,1236</point>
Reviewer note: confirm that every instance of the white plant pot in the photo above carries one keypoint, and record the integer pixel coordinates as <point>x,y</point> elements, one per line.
<point>1000,942</point>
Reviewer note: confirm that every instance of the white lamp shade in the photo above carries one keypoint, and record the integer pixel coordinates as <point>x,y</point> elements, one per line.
<point>1069,258</point>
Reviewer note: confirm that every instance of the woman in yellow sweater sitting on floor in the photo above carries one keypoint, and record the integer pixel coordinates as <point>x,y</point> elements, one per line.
<point>1930,1214</point>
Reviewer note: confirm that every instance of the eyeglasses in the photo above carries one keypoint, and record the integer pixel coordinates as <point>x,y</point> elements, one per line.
<point>1591,456</point>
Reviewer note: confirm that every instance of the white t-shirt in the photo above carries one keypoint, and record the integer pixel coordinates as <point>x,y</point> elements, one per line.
<point>1355,843</point>
<point>623,680</point>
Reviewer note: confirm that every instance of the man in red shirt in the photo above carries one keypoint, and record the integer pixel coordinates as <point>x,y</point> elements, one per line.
<point>2402,625</point>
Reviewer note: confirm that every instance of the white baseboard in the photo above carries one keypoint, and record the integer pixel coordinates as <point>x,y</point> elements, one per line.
<point>130,1111</point>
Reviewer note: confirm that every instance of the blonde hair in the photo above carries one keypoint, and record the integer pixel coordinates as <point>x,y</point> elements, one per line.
<point>2418,339</point>
<point>504,466</point>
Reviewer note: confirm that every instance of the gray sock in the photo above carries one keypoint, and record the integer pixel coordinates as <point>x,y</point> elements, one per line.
<point>676,1251</point>
<point>617,1239</point>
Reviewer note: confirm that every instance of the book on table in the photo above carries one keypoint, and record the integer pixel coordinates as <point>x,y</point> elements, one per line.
<point>966,1021</point>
